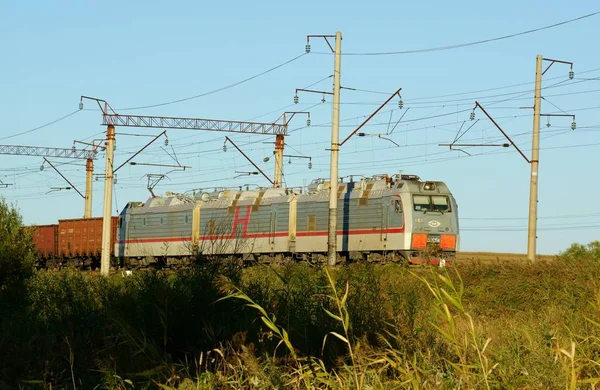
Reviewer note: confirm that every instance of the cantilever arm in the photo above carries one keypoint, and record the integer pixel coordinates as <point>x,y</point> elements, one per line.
<point>502,131</point>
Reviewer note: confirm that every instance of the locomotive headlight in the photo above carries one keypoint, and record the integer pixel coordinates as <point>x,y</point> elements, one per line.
<point>429,186</point>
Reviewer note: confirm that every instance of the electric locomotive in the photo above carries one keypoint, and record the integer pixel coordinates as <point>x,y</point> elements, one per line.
<point>380,218</point>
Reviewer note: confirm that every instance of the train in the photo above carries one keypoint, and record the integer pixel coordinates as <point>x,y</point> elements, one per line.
<point>71,242</point>
<point>381,218</point>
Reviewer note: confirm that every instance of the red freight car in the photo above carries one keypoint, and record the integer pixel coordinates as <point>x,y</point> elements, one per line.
<point>45,238</point>
<point>82,238</point>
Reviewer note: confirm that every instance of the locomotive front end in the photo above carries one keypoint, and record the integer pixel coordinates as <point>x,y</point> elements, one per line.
<point>434,222</point>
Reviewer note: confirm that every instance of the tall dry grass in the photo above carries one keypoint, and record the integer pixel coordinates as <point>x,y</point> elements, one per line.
<point>498,325</point>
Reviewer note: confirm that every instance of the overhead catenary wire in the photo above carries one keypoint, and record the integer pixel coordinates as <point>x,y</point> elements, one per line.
<point>473,43</point>
<point>412,129</point>
<point>435,126</point>
<point>175,184</point>
<point>42,126</point>
<point>559,216</point>
<point>214,90</point>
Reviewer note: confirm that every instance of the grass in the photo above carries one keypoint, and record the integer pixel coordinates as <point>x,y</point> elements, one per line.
<point>478,326</point>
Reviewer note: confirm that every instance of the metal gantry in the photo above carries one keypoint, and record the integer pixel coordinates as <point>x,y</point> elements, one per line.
<point>43,151</point>
<point>73,153</point>
<point>193,124</point>
<point>112,118</point>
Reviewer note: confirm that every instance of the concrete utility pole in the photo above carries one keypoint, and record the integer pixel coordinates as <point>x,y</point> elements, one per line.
<point>108,190</point>
<point>279,145</point>
<point>89,173</point>
<point>535,152</point>
<point>335,148</point>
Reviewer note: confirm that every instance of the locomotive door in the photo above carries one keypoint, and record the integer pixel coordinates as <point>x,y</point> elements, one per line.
<point>385,221</point>
<point>124,234</point>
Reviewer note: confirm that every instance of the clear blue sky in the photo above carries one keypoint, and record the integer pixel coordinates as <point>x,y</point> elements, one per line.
<point>140,53</point>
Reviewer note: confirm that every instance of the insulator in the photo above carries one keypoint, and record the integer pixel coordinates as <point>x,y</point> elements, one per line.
<point>548,124</point>
<point>573,125</point>
<point>571,75</point>
<point>472,116</point>
<point>323,99</point>
<point>310,165</point>
<point>296,99</point>
<point>290,161</point>
<point>73,148</point>
<point>42,167</point>
<point>224,147</point>
<point>308,47</point>
<point>81,103</point>
<point>166,142</point>
<point>308,122</point>
<point>400,104</point>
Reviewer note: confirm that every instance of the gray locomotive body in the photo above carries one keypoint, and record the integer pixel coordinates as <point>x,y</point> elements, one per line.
<point>398,218</point>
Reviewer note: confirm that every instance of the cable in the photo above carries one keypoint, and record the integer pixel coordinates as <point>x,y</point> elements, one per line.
<point>317,82</point>
<point>546,217</point>
<point>449,47</point>
<point>42,126</point>
<point>494,230</point>
<point>214,90</point>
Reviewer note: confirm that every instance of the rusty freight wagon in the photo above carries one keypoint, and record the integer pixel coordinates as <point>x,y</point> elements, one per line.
<point>80,240</point>
<point>45,239</point>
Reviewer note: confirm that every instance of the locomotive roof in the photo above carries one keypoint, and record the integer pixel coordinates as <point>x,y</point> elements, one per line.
<point>318,189</point>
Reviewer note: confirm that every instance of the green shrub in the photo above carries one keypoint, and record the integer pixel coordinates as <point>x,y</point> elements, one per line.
<point>580,252</point>
<point>16,253</point>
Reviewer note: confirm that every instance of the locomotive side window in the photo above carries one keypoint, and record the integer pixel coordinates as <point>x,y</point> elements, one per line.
<point>440,203</point>
<point>397,206</point>
<point>422,202</point>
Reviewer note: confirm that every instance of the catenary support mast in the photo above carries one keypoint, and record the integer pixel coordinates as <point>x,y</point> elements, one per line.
<point>335,148</point>
<point>108,191</point>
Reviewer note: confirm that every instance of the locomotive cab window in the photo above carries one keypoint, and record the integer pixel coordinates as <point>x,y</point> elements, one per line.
<point>425,203</point>
<point>422,202</point>
<point>440,203</point>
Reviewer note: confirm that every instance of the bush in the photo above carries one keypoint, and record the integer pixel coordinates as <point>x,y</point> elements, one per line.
<point>590,251</point>
<point>16,254</point>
